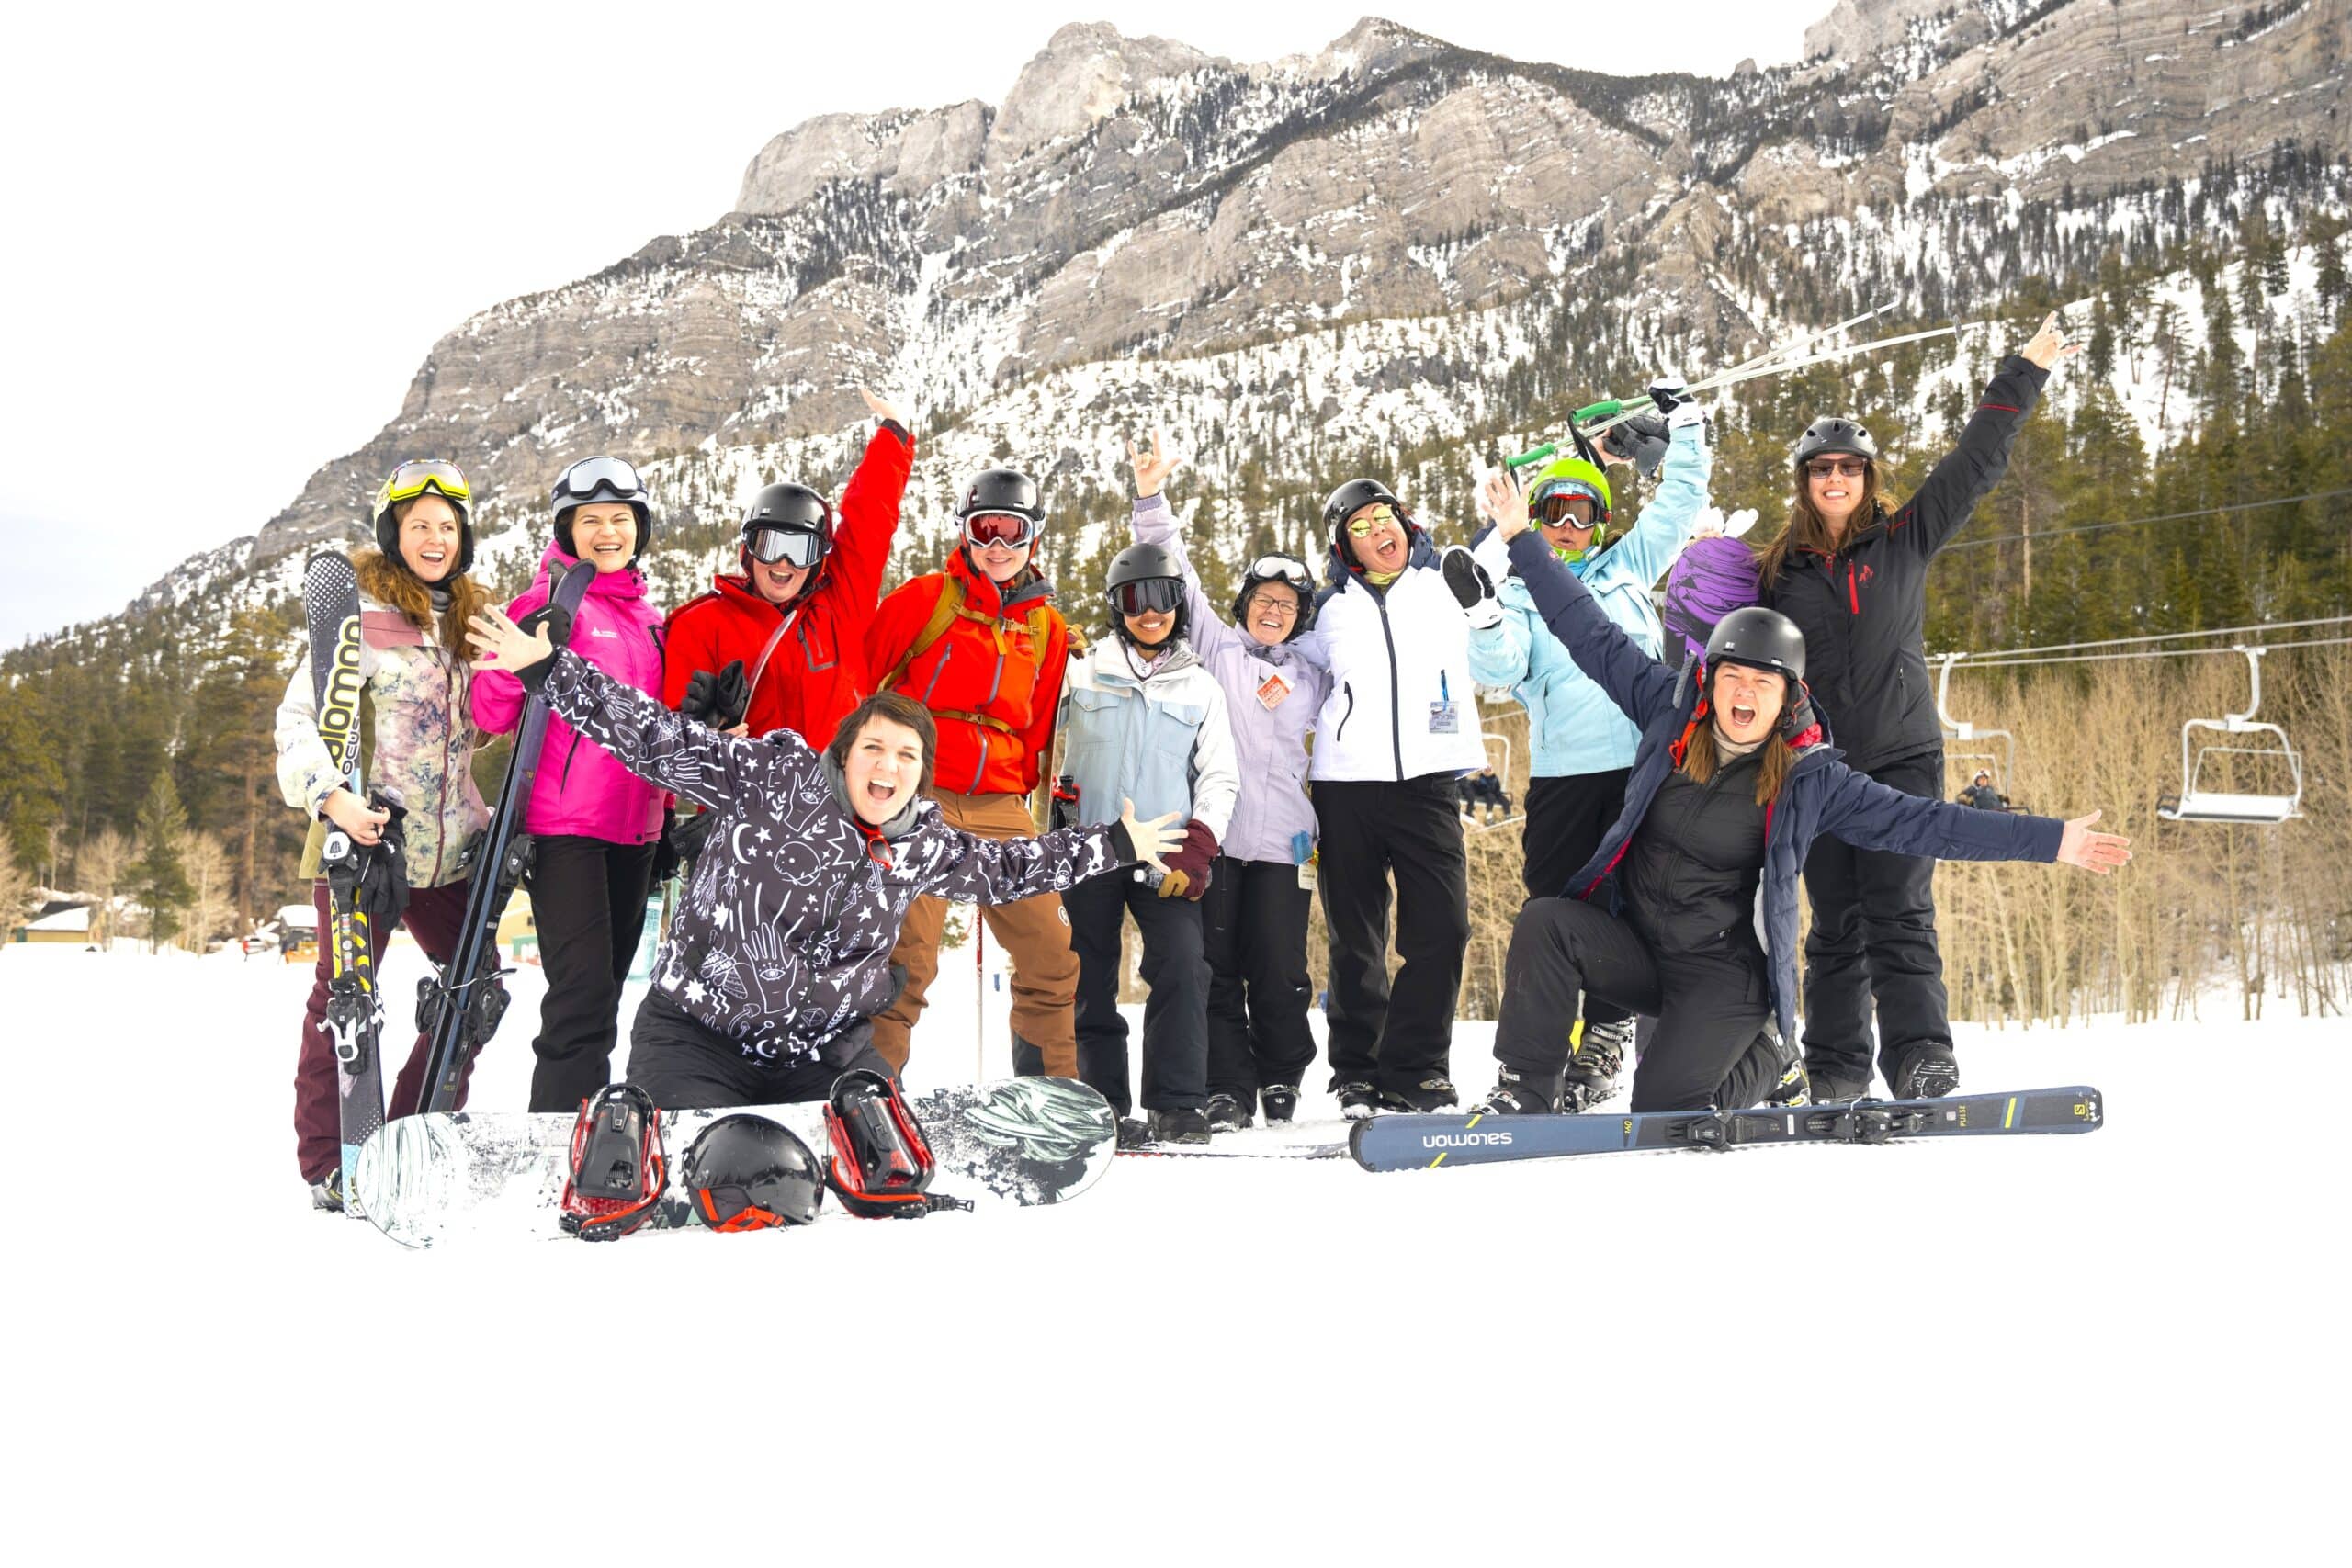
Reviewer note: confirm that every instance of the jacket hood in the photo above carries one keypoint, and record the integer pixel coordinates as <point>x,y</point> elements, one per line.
<point>897,828</point>
<point>626,583</point>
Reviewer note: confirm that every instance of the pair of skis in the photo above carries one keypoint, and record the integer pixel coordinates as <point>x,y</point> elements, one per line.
<point>458,1008</point>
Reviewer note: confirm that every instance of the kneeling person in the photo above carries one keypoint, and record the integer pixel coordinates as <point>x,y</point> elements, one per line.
<point>780,956</point>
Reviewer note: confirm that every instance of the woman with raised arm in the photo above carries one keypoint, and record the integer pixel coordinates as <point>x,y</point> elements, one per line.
<point>1734,782</point>
<point>415,598</point>
<point>766,988</point>
<point>1253,917</point>
<point>1851,572</point>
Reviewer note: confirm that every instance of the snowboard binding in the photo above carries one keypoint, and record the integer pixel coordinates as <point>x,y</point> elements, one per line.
<point>619,1170</point>
<point>881,1166</point>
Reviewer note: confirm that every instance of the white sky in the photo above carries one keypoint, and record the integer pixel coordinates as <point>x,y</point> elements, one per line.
<point>232,232</point>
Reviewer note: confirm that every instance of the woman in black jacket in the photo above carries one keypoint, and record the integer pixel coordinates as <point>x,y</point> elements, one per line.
<point>1734,781</point>
<point>1851,572</point>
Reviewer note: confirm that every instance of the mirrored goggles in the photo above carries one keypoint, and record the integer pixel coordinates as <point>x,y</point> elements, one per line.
<point>1006,528</point>
<point>791,547</point>
<point>1554,504</point>
<point>600,477</point>
<point>412,479</point>
<point>1378,516</point>
<point>1152,594</point>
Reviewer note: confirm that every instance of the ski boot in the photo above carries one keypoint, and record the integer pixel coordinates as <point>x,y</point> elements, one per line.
<point>326,1192</point>
<point>1925,1072</point>
<point>1358,1100</point>
<point>1831,1087</point>
<point>1228,1112</point>
<point>1179,1126</point>
<point>1419,1099</point>
<point>1592,1071</point>
<point>1522,1094</point>
<point>1793,1087</point>
<point>1280,1103</point>
<point>1133,1133</point>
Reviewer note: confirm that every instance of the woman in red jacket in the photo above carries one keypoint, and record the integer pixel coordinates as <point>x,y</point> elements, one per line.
<point>981,646</point>
<point>796,616</point>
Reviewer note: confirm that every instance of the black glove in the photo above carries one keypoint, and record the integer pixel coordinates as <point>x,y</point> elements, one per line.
<point>718,700</point>
<point>1188,865</point>
<point>665,849</point>
<point>555,618</point>
<point>383,874</point>
<point>1641,440</point>
<point>687,835</point>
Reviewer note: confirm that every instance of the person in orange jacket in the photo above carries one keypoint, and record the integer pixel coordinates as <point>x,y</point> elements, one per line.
<point>794,618</point>
<point>981,646</point>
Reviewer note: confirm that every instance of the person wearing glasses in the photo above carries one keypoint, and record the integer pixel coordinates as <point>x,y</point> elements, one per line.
<point>1143,720</point>
<point>1851,572</point>
<point>792,618</point>
<point>980,644</point>
<point>1580,747</point>
<point>415,601</point>
<point>596,823</point>
<point>1253,917</point>
<point>1400,724</point>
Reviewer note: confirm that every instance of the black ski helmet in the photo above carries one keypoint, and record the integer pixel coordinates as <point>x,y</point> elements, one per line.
<point>1146,564</point>
<point>1764,639</point>
<point>1353,497</point>
<point>792,509</point>
<point>1002,489</point>
<point>1291,573</point>
<point>746,1173</point>
<point>1835,434</point>
<point>601,478</point>
<point>425,476</point>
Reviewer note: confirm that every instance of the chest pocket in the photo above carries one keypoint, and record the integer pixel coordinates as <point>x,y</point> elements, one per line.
<point>818,651</point>
<point>1170,729</point>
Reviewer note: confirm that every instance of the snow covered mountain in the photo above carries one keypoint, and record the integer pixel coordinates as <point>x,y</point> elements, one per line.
<point>1368,255</point>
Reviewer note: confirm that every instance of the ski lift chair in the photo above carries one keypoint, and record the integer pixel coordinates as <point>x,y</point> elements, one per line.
<point>2197,803</point>
<point>2000,764</point>
<point>1489,738</point>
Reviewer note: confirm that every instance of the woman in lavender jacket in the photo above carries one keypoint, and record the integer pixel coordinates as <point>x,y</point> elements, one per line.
<point>1261,882</point>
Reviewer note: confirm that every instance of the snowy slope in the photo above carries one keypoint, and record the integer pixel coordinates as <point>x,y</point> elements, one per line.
<point>2105,1349</point>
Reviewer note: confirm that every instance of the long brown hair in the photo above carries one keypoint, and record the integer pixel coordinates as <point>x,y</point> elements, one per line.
<point>388,580</point>
<point>1807,530</point>
<point>1700,756</point>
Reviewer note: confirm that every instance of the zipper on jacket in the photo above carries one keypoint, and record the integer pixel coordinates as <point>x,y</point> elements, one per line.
<point>1347,690</point>
<point>1852,598</point>
<point>1396,687</point>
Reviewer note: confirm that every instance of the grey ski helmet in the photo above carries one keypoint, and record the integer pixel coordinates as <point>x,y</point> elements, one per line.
<point>1835,434</point>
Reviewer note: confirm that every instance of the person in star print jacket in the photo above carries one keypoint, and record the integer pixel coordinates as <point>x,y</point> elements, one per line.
<point>780,953</point>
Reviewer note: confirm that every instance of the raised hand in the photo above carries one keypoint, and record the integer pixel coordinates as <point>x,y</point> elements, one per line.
<point>886,412</point>
<point>2100,852</point>
<point>1153,838</point>
<point>1501,498</point>
<point>500,642</point>
<point>1153,468</point>
<point>2049,345</point>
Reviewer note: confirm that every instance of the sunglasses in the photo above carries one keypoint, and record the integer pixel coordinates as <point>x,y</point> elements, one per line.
<point>412,479</point>
<point>999,528</point>
<point>792,547</point>
<point>1844,468</point>
<point>1153,594</point>
<point>1380,515</point>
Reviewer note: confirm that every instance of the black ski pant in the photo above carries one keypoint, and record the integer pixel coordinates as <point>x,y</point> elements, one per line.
<point>1567,820</point>
<point>1873,939</point>
<point>686,1065</point>
<point>1175,1016</point>
<point>588,900</point>
<point>1393,1036</point>
<point>1253,920</point>
<point>1714,1045</point>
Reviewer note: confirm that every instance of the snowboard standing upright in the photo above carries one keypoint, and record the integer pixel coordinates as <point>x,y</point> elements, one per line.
<point>461,1006</point>
<point>354,1018</point>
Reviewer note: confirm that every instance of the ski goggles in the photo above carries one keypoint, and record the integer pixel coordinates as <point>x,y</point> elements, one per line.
<point>1380,515</point>
<point>1281,568</point>
<point>414,478</point>
<point>1837,467</point>
<point>791,547</point>
<point>1554,504</point>
<point>1006,528</point>
<point>1150,594</point>
<point>593,479</point>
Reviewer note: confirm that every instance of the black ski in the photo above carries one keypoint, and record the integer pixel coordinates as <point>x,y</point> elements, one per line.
<point>1425,1143</point>
<point>461,1006</point>
<point>355,1007</point>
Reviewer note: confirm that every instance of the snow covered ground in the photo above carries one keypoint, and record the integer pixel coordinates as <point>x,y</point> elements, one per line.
<point>2123,1346</point>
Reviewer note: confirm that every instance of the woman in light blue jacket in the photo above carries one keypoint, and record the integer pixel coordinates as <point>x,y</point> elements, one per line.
<point>1580,747</point>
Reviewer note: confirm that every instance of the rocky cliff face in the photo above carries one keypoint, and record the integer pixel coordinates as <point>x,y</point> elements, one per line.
<point>1140,225</point>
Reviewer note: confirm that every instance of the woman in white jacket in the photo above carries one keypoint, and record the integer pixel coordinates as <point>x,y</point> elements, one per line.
<point>1143,720</point>
<point>1401,725</point>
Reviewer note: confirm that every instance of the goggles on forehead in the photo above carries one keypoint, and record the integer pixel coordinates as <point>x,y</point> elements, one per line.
<point>593,479</point>
<point>1152,594</point>
<point>1000,528</point>
<point>412,479</point>
<point>792,547</point>
<point>1381,514</point>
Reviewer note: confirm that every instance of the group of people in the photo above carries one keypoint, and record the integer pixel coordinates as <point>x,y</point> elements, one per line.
<point>833,765</point>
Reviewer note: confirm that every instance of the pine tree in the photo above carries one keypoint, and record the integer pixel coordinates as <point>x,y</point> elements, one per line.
<point>158,879</point>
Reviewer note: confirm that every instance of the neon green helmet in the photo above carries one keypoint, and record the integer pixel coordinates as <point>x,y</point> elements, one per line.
<point>1572,476</point>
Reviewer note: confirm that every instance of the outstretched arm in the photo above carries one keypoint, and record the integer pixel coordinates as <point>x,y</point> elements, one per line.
<point>1672,511</point>
<point>1977,461</point>
<point>1155,523</point>
<point>1640,686</point>
<point>870,508</point>
<point>1868,815</point>
<point>998,871</point>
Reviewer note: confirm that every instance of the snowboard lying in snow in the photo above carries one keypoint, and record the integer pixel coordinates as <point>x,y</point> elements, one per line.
<point>1021,1143</point>
<point>1425,1143</point>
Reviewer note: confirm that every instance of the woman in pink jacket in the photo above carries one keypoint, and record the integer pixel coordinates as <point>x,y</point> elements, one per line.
<point>597,824</point>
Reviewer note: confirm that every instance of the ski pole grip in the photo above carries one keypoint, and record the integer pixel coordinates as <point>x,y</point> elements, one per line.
<point>1608,408</point>
<point>1535,457</point>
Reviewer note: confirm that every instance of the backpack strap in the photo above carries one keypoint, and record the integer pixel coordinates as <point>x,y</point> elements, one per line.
<point>943,614</point>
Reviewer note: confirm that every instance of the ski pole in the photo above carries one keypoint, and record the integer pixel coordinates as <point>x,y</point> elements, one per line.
<point>979,996</point>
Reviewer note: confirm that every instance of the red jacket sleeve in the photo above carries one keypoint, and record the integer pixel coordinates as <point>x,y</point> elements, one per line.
<point>898,621</point>
<point>870,507</point>
<point>686,647</point>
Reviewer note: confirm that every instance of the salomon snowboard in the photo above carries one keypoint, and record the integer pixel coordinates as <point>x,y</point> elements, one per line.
<point>1019,1142</point>
<point>1425,1143</point>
